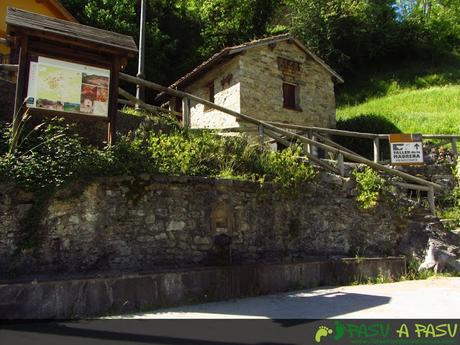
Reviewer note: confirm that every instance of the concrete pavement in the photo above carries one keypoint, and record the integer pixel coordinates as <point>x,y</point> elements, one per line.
<point>432,298</point>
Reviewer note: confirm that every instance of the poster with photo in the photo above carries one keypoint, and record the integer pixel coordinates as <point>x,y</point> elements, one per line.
<point>68,87</point>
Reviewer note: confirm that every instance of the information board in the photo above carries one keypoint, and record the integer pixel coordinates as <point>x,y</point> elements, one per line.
<point>68,87</point>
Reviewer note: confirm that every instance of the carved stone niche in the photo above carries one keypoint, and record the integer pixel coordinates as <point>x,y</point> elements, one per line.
<point>289,67</point>
<point>222,219</point>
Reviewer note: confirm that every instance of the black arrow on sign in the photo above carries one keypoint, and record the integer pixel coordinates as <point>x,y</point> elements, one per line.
<point>417,146</point>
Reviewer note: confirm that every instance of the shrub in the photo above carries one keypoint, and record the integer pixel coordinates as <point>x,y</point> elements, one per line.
<point>52,155</point>
<point>286,168</point>
<point>185,153</point>
<point>370,186</point>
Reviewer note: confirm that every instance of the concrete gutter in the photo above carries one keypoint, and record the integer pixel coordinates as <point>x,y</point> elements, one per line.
<point>89,297</point>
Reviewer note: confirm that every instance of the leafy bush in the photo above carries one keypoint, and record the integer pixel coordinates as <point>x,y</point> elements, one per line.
<point>285,167</point>
<point>370,186</point>
<point>52,155</point>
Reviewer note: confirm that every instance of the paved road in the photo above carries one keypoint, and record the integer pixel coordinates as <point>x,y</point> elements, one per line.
<point>433,298</point>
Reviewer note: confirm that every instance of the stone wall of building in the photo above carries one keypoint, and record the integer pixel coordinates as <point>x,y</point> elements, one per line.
<point>252,83</point>
<point>262,76</point>
<point>152,222</point>
<point>226,81</point>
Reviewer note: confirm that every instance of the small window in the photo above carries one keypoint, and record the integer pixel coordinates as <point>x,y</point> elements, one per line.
<point>211,93</point>
<point>290,96</point>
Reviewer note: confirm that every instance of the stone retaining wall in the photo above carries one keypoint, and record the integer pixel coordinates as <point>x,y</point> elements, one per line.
<point>153,222</point>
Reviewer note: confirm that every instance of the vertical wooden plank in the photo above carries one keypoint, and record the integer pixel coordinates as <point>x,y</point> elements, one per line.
<point>113,101</point>
<point>186,109</point>
<point>454,149</point>
<point>376,150</point>
<point>341,164</point>
<point>22,74</point>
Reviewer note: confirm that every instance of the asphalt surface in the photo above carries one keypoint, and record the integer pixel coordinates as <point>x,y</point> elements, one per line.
<point>430,299</point>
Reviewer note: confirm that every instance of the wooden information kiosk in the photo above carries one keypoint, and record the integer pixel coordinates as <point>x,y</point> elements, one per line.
<point>67,68</point>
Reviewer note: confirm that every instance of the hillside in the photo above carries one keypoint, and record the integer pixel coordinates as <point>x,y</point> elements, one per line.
<point>421,97</point>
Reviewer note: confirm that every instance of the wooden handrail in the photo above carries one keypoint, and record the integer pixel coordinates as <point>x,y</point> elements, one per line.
<point>325,130</point>
<point>8,67</point>
<point>280,131</point>
<point>273,128</point>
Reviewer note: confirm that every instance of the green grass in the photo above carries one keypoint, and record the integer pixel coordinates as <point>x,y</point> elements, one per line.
<point>431,110</point>
<point>410,96</point>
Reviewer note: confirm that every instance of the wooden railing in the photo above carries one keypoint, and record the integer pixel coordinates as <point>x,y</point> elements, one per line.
<point>281,132</point>
<point>374,138</point>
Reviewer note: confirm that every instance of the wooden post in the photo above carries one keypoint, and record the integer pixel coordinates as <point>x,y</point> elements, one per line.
<point>308,146</point>
<point>186,120</point>
<point>113,101</point>
<point>431,200</point>
<point>341,164</point>
<point>140,90</point>
<point>22,75</point>
<point>261,134</point>
<point>313,148</point>
<point>454,149</point>
<point>376,150</point>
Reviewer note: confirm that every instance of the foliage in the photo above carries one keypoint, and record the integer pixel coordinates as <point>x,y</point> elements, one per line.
<point>413,273</point>
<point>370,186</point>
<point>344,30</point>
<point>286,168</point>
<point>451,208</point>
<point>231,22</point>
<point>398,76</point>
<point>53,155</point>
<point>350,35</point>
<point>172,34</point>
<point>185,153</point>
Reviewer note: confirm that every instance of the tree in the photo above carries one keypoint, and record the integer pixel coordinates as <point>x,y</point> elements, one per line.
<point>172,34</point>
<point>230,22</point>
<point>344,32</point>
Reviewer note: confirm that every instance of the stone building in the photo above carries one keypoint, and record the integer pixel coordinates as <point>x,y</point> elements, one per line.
<point>272,79</point>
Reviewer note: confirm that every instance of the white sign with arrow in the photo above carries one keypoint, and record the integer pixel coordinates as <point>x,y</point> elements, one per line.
<point>406,149</point>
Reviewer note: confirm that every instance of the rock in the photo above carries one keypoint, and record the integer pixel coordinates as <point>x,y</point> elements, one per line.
<point>176,225</point>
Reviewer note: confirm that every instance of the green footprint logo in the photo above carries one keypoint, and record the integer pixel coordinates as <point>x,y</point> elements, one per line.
<point>322,331</point>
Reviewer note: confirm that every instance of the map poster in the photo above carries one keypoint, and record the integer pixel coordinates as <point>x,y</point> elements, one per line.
<point>68,87</point>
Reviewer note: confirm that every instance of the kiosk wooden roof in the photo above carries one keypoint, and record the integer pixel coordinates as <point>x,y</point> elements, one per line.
<point>37,25</point>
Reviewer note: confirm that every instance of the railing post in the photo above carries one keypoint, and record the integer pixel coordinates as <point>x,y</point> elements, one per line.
<point>260,129</point>
<point>309,136</point>
<point>454,149</point>
<point>376,149</point>
<point>431,200</point>
<point>341,164</point>
<point>186,120</point>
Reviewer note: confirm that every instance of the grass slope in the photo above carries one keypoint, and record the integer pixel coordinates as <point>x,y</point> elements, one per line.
<point>413,96</point>
<point>431,110</point>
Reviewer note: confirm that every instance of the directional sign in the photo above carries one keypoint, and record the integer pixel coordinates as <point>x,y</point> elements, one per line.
<point>406,149</point>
